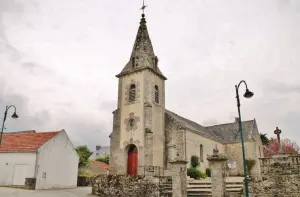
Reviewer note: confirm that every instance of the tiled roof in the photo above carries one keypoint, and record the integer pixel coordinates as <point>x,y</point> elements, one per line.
<point>25,142</point>
<point>100,164</point>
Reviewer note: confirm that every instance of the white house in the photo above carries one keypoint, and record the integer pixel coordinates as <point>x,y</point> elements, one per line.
<point>49,157</point>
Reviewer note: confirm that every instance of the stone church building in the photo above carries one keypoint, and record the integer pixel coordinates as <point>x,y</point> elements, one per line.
<point>148,136</point>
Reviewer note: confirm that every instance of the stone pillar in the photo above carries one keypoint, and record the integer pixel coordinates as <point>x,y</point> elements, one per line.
<point>217,173</point>
<point>178,172</point>
<point>148,134</point>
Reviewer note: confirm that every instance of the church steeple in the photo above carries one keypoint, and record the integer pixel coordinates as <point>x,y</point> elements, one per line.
<point>142,56</point>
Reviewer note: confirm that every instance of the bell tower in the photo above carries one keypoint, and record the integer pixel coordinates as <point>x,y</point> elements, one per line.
<point>138,137</point>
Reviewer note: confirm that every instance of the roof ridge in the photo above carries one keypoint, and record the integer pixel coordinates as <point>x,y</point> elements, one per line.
<point>27,133</point>
<point>229,123</point>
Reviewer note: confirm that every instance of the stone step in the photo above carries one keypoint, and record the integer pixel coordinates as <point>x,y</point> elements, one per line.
<point>199,190</point>
<point>199,183</point>
<point>198,186</point>
<point>233,189</point>
<point>234,186</point>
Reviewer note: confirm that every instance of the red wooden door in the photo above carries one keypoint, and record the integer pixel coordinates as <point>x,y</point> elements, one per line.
<point>132,164</point>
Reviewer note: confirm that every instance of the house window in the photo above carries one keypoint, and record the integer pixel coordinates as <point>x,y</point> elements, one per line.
<point>132,93</point>
<point>156,94</point>
<point>201,153</point>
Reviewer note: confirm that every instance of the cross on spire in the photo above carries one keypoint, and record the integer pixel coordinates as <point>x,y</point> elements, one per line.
<point>143,7</point>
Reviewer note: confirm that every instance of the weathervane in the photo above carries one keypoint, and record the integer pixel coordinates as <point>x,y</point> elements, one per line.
<point>143,7</point>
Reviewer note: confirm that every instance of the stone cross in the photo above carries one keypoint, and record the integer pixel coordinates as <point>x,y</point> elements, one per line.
<point>278,132</point>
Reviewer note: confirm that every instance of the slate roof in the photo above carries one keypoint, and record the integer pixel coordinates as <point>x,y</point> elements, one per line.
<point>224,133</point>
<point>193,126</point>
<point>25,141</point>
<point>99,153</point>
<point>230,131</point>
<point>142,53</point>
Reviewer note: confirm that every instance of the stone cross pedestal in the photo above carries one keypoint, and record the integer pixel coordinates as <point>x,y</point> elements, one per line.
<point>217,164</point>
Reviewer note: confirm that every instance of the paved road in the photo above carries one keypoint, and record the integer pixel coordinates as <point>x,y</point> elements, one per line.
<point>76,192</point>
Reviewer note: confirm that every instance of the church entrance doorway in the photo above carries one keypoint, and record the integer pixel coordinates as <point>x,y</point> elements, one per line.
<point>132,162</point>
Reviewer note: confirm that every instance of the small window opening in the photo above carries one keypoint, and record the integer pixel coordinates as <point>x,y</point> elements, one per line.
<point>156,93</point>
<point>201,153</point>
<point>132,93</point>
<point>133,63</point>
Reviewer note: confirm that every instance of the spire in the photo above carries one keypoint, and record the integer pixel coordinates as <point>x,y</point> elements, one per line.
<point>142,55</point>
<point>142,45</point>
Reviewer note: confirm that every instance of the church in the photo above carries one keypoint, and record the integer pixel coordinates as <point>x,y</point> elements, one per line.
<point>148,137</point>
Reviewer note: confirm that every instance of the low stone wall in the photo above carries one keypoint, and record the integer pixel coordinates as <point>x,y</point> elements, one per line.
<point>280,177</point>
<point>30,183</point>
<point>126,185</point>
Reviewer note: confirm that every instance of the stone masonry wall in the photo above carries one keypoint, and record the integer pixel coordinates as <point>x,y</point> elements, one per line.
<point>234,153</point>
<point>133,186</point>
<point>280,177</point>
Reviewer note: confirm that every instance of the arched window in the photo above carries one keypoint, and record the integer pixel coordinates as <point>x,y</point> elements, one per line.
<point>132,93</point>
<point>201,153</point>
<point>156,94</point>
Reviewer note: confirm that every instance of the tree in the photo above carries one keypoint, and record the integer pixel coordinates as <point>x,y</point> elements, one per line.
<point>104,159</point>
<point>288,146</point>
<point>84,154</point>
<point>264,139</point>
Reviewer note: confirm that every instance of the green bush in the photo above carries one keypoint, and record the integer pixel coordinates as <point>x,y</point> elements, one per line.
<point>104,159</point>
<point>195,173</point>
<point>195,163</point>
<point>208,172</point>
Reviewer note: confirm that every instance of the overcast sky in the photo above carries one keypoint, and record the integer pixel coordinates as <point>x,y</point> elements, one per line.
<point>59,58</point>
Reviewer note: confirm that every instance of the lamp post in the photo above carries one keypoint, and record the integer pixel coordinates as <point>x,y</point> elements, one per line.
<point>248,94</point>
<point>5,115</point>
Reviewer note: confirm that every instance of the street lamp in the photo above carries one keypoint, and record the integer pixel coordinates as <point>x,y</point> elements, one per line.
<point>5,115</point>
<point>248,94</point>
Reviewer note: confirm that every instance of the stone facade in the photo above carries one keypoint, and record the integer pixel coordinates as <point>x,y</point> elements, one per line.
<point>133,186</point>
<point>280,177</point>
<point>164,141</point>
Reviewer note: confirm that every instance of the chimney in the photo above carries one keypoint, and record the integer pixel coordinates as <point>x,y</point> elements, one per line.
<point>98,147</point>
<point>237,119</point>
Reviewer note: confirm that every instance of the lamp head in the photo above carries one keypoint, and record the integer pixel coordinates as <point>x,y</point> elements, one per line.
<point>15,115</point>
<point>248,94</point>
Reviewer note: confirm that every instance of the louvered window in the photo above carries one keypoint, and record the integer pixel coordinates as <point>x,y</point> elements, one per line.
<point>156,94</point>
<point>132,93</point>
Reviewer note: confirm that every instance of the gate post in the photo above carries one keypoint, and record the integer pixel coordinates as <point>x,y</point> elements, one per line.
<point>178,172</point>
<point>218,184</point>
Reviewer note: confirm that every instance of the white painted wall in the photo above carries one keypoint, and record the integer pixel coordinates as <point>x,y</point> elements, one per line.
<point>15,167</point>
<point>58,162</point>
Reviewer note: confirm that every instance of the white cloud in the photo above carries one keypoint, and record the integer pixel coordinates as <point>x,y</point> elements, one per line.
<point>61,57</point>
